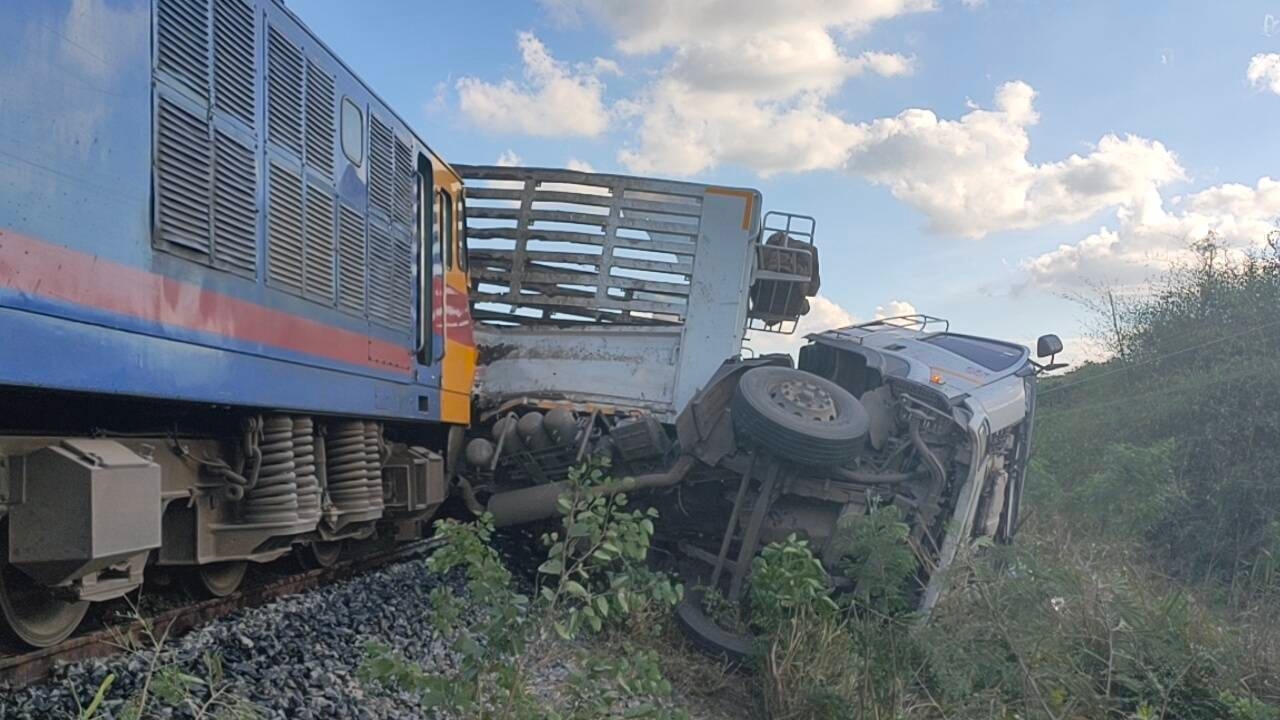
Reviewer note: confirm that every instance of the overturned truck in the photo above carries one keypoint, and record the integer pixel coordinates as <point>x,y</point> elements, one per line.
<point>614,312</point>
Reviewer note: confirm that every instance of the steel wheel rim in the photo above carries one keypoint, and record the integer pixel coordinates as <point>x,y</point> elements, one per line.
<point>33,613</point>
<point>804,399</point>
<point>325,554</point>
<point>222,578</point>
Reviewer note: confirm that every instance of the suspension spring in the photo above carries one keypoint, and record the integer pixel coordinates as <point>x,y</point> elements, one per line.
<point>373,455</point>
<point>304,458</point>
<point>274,498</point>
<point>347,466</point>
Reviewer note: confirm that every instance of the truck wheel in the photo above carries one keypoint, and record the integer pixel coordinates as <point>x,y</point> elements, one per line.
<point>799,416</point>
<point>735,648</point>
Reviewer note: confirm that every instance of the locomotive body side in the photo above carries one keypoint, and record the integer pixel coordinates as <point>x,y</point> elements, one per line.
<point>191,232</point>
<point>234,320</point>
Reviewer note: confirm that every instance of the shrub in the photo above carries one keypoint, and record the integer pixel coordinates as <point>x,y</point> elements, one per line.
<point>874,553</point>
<point>1193,367</point>
<point>787,579</point>
<point>594,578</point>
<point>1056,630</point>
<point>821,661</point>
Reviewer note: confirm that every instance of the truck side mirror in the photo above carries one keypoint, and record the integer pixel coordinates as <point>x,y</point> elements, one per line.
<point>1048,346</point>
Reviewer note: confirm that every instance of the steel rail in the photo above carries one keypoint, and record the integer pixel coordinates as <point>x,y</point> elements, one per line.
<point>24,668</point>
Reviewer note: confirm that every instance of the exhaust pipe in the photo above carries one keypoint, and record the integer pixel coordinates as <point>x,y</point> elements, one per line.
<point>515,507</point>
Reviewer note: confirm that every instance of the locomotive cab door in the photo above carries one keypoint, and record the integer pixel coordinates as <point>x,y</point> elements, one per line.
<point>446,346</point>
<point>430,275</point>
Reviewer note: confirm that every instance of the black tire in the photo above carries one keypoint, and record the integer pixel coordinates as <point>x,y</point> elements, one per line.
<point>734,648</point>
<point>799,416</point>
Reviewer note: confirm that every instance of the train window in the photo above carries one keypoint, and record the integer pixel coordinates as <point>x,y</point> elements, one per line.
<point>449,233</point>
<point>352,131</point>
<point>462,238</point>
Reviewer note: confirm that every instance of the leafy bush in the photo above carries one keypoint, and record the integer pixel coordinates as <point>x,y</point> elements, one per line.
<point>1191,404</point>
<point>594,579</point>
<point>874,553</point>
<point>787,579</point>
<point>1132,495</point>
<point>596,569</point>
<point>821,660</point>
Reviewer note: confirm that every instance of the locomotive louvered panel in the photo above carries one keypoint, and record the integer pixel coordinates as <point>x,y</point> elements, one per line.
<point>404,184</point>
<point>389,275</point>
<point>284,92</point>
<point>382,166</point>
<point>319,255</point>
<point>183,172</point>
<point>235,207</point>
<point>284,228</point>
<point>402,276</point>
<point>381,282</point>
<point>320,122</point>
<point>234,60</point>
<point>182,42</point>
<point>351,259</point>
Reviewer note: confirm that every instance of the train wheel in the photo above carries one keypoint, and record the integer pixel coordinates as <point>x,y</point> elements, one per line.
<point>316,555</point>
<point>33,614</point>
<point>218,579</point>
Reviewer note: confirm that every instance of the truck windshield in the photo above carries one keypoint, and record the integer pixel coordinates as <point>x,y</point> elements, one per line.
<point>990,355</point>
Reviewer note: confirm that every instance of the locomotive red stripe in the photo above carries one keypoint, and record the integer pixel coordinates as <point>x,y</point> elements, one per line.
<point>38,268</point>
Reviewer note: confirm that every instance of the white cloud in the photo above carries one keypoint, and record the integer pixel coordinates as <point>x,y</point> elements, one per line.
<point>1149,236</point>
<point>895,308</point>
<point>778,65</point>
<point>605,66</point>
<point>972,176</point>
<point>748,83</point>
<point>553,100</point>
<point>746,80</point>
<point>654,26</point>
<point>1264,72</point>
<point>685,131</point>
<point>885,64</point>
<point>823,315</point>
<point>969,176</point>
<point>509,158</point>
<point>579,165</point>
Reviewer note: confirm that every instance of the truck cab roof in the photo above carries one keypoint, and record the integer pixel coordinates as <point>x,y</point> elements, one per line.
<point>922,348</point>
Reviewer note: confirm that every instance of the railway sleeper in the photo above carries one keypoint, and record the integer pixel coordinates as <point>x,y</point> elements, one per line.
<point>81,518</point>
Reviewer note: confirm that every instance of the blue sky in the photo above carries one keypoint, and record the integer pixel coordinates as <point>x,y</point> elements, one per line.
<point>977,160</point>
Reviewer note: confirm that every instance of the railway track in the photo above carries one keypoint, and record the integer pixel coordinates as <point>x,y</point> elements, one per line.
<point>22,668</point>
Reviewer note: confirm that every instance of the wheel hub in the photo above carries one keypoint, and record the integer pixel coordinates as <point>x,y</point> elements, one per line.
<point>805,399</point>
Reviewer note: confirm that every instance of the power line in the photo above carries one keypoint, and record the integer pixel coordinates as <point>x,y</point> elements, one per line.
<point>1158,358</point>
<point>1208,382</point>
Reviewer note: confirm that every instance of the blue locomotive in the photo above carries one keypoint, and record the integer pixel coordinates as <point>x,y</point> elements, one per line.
<point>233,302</point>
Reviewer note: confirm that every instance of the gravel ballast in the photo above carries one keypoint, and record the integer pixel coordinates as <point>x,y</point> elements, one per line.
<point>297,657</point>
